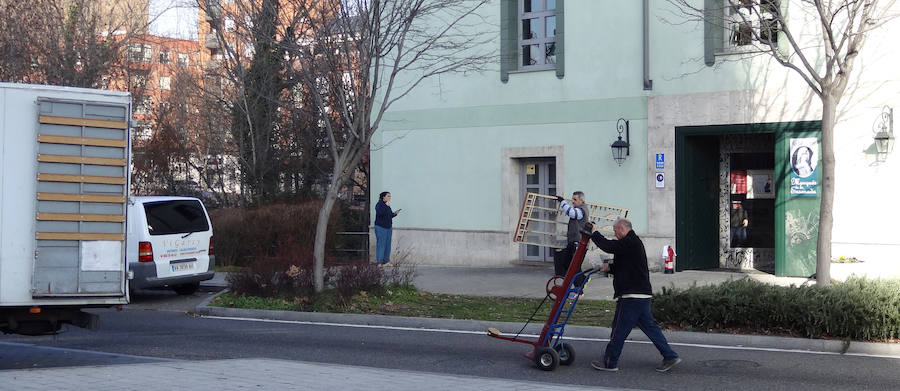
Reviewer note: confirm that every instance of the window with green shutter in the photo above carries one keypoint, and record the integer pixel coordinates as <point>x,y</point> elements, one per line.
<point>531,36</point>
<point>743,26</point>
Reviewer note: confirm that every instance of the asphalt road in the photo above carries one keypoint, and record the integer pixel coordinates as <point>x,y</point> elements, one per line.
<point>155,328</point>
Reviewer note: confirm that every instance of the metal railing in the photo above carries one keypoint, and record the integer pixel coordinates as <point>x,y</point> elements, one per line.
<point>352,244</point>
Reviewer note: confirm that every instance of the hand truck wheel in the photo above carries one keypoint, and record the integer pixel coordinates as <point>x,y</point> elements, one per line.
<point>553,282</point>
<point>566,353</point>
<point>546,359</point>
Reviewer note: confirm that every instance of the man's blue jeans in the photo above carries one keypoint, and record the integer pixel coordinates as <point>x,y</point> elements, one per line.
<point>382,245</point>
<point>738,236</point>
<point>630,313</point>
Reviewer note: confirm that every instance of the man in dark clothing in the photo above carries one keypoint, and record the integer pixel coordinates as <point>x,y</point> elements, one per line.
<point>739,225</point>
<point>632,293</point>
<point>578,216</point>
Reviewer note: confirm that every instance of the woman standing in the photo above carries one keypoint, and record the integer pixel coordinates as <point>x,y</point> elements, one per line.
<point>383,218</point>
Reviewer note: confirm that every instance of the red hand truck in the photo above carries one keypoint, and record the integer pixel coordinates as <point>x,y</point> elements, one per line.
<point>549,350</point>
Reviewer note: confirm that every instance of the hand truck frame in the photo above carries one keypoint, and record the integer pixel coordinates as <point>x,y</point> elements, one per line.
<point>549,350</point>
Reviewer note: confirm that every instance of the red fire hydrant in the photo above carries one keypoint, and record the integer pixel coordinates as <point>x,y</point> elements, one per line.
<point>670,260</point>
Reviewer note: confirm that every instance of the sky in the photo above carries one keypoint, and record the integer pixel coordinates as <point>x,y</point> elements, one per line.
<point>174,18</point>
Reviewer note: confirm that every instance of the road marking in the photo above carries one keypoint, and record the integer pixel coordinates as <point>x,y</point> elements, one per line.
<point>696,345</point>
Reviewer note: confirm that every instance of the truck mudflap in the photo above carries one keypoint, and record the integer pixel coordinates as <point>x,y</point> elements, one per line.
<point>43,320</point>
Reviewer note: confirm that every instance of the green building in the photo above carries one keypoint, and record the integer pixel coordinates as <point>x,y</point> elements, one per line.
<point>712,122</point>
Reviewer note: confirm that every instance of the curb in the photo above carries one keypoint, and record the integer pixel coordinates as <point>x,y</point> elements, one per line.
<point>737,341</point>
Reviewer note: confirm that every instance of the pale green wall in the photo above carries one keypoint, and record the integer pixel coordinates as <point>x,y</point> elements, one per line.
<point>442,161</point>
<point>450,178</point>
<point>595,68</point>
<point>603,59</point>
<point>677,55</point>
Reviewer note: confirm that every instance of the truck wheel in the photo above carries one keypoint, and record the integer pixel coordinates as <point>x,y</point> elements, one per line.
<point>186,289</point>
<point>546,359</point>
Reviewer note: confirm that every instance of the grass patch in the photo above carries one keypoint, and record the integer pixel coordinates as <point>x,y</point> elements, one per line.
<point>407,301</point>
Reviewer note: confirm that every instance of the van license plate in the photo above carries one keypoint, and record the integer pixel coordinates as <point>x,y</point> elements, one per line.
<point>177,267</point>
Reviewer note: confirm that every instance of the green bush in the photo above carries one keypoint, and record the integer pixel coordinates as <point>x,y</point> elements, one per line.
<point>858,309</point>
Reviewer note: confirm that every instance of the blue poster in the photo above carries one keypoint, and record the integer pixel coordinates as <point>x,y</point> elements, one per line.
<point>804,159</point>
<point>660,161</point>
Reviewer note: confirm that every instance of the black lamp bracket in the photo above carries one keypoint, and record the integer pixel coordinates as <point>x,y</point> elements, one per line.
<point>623,126</point>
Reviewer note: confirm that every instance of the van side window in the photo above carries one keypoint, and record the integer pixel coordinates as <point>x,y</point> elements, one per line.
<point>178,216</point>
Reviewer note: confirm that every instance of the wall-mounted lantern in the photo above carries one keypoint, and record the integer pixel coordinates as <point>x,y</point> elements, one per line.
<point>884,133</point>
<point>621,149</point>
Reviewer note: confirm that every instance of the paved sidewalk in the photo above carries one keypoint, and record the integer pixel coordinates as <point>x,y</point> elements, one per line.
<point>256,374</point>
<point>531,280</point>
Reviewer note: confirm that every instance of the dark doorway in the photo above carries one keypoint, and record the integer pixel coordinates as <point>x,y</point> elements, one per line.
<point>753,191</point>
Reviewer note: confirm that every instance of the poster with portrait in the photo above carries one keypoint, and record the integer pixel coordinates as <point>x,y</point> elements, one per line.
<point>804,163</point>
<point>760,184</point>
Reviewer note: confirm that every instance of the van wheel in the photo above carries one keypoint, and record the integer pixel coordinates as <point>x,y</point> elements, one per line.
<point>186,289</point>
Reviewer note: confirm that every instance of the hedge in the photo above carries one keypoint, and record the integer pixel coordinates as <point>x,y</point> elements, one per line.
<point>858,309</point>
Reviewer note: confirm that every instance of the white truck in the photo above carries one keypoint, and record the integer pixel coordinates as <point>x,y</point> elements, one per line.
<point>64,178</point>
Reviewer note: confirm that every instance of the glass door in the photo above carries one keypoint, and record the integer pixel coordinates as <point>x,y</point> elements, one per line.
<point>539,176</point>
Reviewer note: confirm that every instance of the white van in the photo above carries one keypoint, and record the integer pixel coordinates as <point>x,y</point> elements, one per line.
<point>169,243</point>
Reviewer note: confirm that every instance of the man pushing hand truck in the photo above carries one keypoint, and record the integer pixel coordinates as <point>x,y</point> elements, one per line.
<point>632,292</point>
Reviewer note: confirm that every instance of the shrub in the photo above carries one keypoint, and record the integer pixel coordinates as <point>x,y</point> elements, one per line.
<point>401,271</point>
<point>290,277</point>
<point>352,278</point>
<point>284,275</point>
<point>242,235</point>
<point>858,309</point>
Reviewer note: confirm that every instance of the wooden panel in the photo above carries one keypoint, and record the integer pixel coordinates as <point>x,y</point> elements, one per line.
<point>116,199</point>
<point>77,236</point>
<point>526,233</point>
<point>80,217</point>
<point>111,180</point>
<point>97,142</point>
<point>100,161</point>
<point>94,123</point>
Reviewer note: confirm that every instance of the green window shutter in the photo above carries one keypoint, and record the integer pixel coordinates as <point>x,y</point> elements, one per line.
<point>713,30</point>
<point>560,39</point>
<point>783,44</point>
<point>509,37</point>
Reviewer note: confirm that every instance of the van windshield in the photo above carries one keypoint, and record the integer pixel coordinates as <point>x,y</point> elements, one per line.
<point>177,216</point>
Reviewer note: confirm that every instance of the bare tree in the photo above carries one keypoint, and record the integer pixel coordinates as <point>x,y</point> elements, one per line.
<point>65,42</point>
<point>356,58</point>
<point>250,33</point>
<point>843,26</point>
<point>175,157</point>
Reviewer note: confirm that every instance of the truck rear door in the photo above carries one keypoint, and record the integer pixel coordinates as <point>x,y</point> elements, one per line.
<point>82,184</point>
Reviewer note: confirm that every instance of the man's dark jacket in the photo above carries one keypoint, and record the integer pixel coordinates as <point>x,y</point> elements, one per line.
<point>629,266</point>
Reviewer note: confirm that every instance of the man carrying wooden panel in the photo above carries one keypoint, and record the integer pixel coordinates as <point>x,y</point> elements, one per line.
<point>578,216</point>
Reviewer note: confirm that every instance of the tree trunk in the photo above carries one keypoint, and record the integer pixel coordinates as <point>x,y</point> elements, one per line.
<point>826,217</point>
<point>321,231</point>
